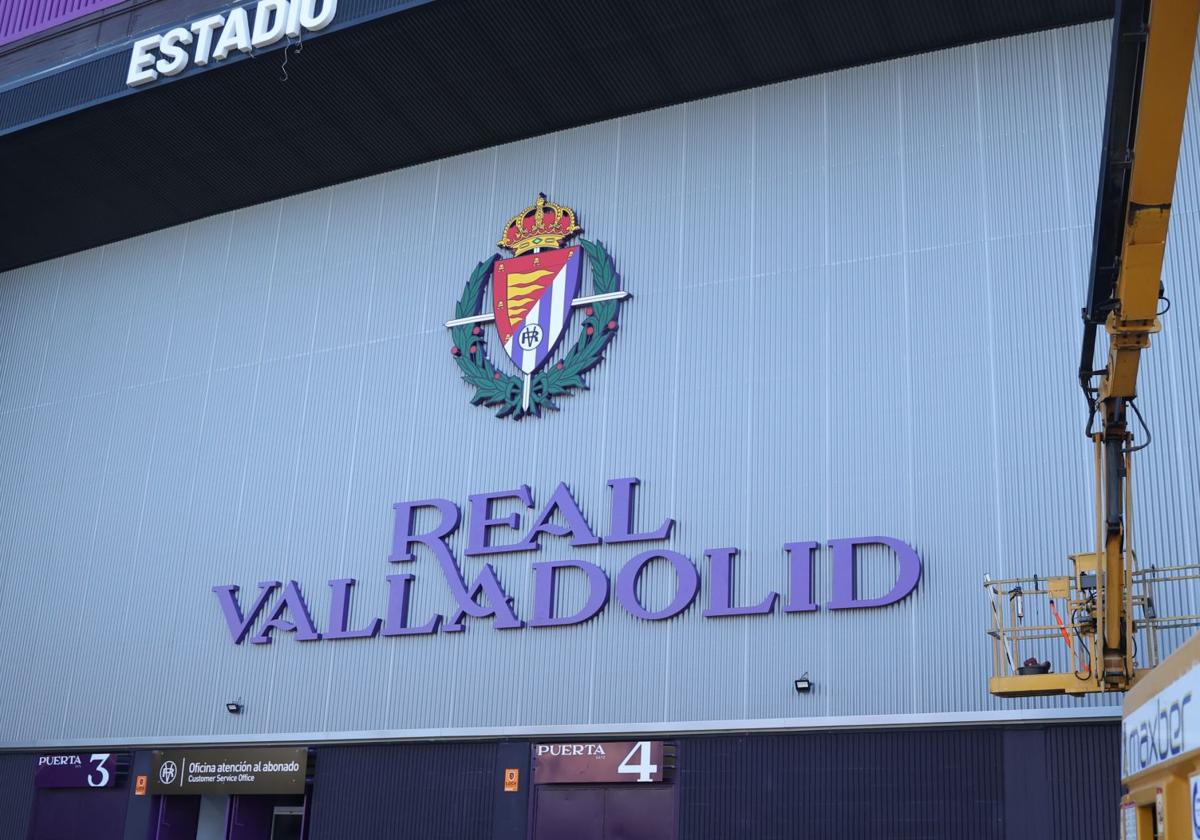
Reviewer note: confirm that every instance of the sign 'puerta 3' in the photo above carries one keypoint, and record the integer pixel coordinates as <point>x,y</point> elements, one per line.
<point>534,295</point>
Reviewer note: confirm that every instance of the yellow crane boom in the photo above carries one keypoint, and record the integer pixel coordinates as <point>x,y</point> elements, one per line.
<point>1149,75</point>
<point>1130,312</point>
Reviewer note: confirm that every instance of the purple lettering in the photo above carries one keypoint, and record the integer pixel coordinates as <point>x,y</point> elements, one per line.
<point>399,591</point>
<point>577,524</point>
<point>239,626</point>
<point>478,541</point>
<point>621,523</point>
<point>720,598</point>
<point>688,584</point>
<point>543,593</point>
<point>501,605</point>
<point>339,613</point>
<point>290,601</point>
<point>800,576</point>
<point>435,540</point>
<point>845,573</point>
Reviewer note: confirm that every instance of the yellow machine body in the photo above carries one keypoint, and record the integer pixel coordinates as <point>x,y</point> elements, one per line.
<point>1082,637</point>
<point>1160,749</point>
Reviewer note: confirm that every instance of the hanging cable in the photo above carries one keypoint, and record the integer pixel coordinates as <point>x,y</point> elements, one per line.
<point>288,46</point>
<point>1149,438</point>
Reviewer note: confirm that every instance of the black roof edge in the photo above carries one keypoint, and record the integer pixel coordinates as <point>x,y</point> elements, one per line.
<point>394,90</point>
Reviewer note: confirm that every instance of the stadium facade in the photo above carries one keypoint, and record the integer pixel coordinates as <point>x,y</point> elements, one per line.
<point>434,420</point>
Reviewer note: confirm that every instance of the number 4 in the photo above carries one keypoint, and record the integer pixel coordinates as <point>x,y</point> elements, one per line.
<point>645,770</point>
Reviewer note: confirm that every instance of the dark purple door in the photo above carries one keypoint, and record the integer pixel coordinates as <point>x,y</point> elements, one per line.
<point>569,813</point>
<point>250,817</point>
<point>614,812</point>
<point>177,817</point>
<point>71,813</point>
<point>639,813</point>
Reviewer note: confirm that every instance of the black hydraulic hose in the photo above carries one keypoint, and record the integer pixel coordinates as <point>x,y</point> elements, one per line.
<point>1112,195</point>
<point>1086,359</point>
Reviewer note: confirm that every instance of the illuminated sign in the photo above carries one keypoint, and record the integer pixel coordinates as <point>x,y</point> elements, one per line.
<point>94,770</point>
<point>1162,728</point>
<point>600,762</point>
<point>427,525</point>
<point>216,36</point>
<point>248,770</point>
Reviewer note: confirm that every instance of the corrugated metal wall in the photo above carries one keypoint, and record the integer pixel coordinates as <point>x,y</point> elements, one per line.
<point>16,795</point>
<point>388,791</point>
<point>844,785</point>
<point>855,312</point>
<point>1001,783</point>
<point>1083,771</point>
<point>992,783</point>
<point>81,812</point>
<point>903,785</point>
<point>19,18</point>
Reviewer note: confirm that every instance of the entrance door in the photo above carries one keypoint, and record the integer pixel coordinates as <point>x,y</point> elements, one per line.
<point>639,813</point>
<point>611,812</point>
<point>235,817</point>
<point>213,819</point>
<point>287,822</point>
<point>71,813</point>
<point>178,817</point>
<point>568,812</point>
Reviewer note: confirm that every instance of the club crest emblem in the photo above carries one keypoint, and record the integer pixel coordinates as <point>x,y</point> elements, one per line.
<point>534,293</point>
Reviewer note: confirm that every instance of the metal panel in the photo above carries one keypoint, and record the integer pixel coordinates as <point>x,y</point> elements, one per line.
<point>1084,779</point>
<point>93,31</point>
<point>1000,783</point>
<point>21,18</point>
<point>16,795</point>
<point>457,95</point>
<point>511,809</point>
<point>844,785</point>
<point>831,334</point>
<point>395,792</point>
<point>79,812</point>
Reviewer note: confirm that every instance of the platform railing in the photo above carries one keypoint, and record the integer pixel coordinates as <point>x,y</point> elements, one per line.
<point>1043,629</point>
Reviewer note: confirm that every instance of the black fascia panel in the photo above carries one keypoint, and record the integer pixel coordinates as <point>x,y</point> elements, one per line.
<point>430,80</point>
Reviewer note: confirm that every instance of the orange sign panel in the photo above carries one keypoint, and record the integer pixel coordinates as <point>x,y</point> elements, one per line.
<point>512,780</point>
<point>139,788</point>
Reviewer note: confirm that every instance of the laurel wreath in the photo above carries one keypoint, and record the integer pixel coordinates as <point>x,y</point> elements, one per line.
<point>495,388</point>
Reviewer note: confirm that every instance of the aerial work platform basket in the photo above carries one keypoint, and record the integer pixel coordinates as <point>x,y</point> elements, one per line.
<point>1044,629</point>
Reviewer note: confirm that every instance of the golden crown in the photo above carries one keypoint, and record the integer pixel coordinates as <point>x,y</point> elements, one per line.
<point>543,224</point>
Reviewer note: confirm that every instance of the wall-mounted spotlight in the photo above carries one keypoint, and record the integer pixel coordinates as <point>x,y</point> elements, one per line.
<point>234,707</point>
<point>804,684</point>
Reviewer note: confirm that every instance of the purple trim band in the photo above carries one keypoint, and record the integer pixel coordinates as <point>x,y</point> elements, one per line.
<point>22,18</point>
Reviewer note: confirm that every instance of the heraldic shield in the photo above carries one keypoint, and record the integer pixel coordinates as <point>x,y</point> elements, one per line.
<point>534,293</point>
<point>531,298</point>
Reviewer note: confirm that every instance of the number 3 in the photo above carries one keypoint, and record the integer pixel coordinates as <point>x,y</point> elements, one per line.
<point>99,759</point>
<point>645,770</point>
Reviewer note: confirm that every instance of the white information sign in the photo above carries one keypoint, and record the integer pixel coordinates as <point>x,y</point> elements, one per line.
<point>1164,727</point>
<point>1194,781</point>
<point>1129,821</point>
